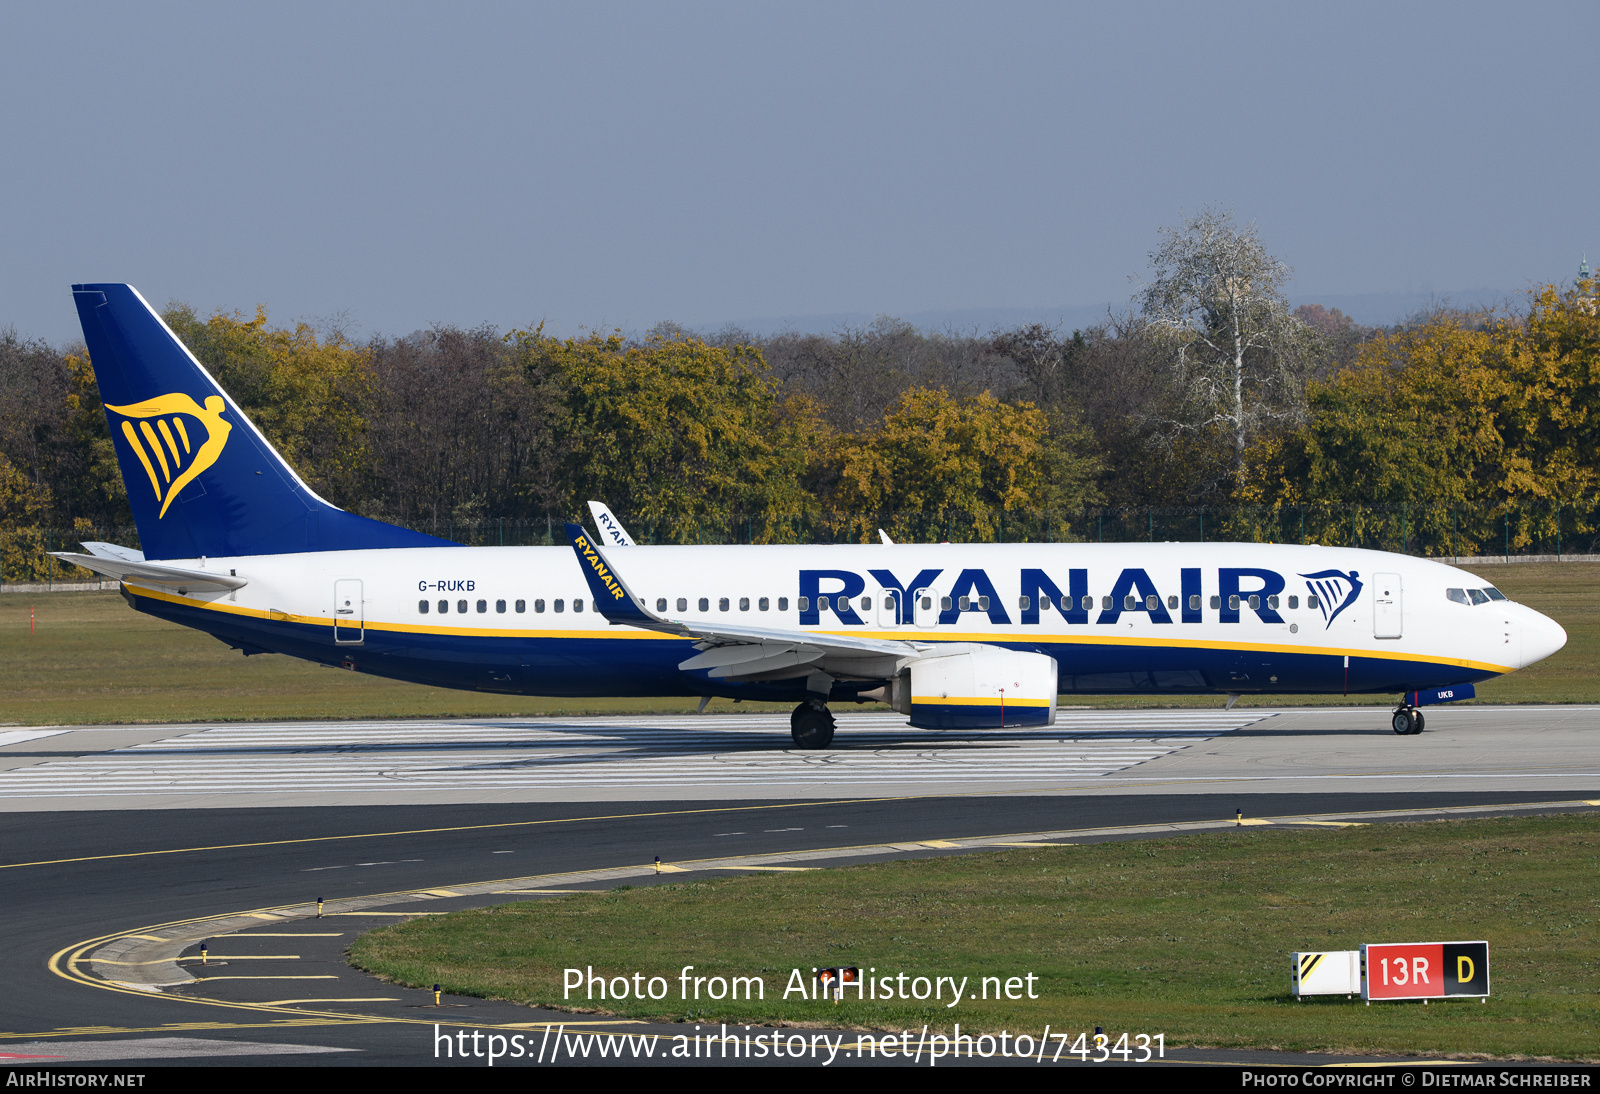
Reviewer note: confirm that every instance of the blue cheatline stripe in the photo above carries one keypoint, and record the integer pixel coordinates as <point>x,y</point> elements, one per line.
<point>645,665</point>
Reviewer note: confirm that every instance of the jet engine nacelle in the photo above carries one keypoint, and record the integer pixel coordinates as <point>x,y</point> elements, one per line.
<point>971,686</point>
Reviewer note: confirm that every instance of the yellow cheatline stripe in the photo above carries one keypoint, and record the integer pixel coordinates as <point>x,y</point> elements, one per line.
<point>182,432</point>
<point>166,435</point>
<point>960,701</point>
<point>155,446</point>
<point>632,633</point>
<point>138,450</point>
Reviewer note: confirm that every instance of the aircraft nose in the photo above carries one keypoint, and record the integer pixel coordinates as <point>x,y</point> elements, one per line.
<point>1541,637</point>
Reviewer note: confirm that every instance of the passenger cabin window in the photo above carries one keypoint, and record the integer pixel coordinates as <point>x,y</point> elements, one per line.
<point>1088,603</point>
<point>500,607</point>
<point>1172,602</point>
<point>422,606</point>
<point>483,606</point>
<point>722,604</point>
<point>661,603</point>
<point>1312,602</point>
<point>577,605</point>
<point>559,605</point>
<point>927,603</point>
<point>1022,602</point>
<point>866,604</point>
<point>1272,602</point>
<point>461,606</point>
<point>944,603</point>
<point>683,604</point>
<point>783,604</point>
<point>822,603</point>
<point>522,606</point>
<point>1128,602</point>
<point>538,606</point>
<point>804,602</point>
<point>444,606</point>
<point>1294,602</point>
<point>763,603</point>
<point>705,605</point>
<point>966,604</point>
<point>1255,603</point>
<point>1151,603</point>
<point>1233,603</point>
<point>1216,602</point>
<point>1105,603</point>
<point>1194,602</point>
<point>744,603</point>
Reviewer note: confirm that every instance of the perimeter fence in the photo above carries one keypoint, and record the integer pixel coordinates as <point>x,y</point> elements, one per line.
<point>1557,530</point>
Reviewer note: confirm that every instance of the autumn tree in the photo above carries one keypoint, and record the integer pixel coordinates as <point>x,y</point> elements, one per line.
<point>937,464</point>
<point>1239,358</point>
<point>463,427</point>
<point>1468,423</point>
<point>306,391</point>
<point>675,434</point>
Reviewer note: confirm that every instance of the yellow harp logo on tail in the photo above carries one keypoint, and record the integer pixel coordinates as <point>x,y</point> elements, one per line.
<point>167,439</point>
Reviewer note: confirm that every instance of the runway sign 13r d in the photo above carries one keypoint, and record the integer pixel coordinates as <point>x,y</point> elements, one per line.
<point>1424,970</point>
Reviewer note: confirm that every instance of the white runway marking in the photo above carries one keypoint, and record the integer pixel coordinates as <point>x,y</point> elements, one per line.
<point>22,736</point>
<point>614,753</point>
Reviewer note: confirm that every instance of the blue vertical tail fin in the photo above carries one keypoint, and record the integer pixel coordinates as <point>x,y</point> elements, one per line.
<point>201,478</point>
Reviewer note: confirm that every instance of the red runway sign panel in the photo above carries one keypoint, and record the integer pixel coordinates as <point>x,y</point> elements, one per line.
<point>1424,970</point>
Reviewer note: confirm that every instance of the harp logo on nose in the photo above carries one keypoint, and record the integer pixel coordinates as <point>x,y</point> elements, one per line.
<point>175,439</point>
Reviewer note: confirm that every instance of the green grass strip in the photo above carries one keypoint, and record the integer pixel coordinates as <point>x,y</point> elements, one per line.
<point>1187,935</point>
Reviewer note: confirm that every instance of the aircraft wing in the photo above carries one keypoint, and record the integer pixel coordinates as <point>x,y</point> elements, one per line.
<point>152,573</point>
<point>734,652</point>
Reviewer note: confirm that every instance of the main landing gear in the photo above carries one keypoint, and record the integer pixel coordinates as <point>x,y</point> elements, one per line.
<point>811,725</point>
<point>1408,720</point>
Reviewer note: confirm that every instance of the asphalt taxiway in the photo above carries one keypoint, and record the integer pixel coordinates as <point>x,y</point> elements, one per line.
<point>124,846</point>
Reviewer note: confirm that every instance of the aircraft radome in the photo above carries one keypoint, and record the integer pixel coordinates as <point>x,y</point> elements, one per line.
<point>957,636</point>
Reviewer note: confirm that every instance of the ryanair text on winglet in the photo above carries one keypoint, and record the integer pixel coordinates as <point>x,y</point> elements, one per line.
<point>593,558</point>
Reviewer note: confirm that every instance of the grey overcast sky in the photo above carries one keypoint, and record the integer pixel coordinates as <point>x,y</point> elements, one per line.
<point>599,165</point>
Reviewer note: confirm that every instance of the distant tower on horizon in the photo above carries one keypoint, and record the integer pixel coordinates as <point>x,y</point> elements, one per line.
<point>1584,273</point>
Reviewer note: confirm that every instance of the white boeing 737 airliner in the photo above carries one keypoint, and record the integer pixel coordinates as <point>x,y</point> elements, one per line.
<point>953,635</point>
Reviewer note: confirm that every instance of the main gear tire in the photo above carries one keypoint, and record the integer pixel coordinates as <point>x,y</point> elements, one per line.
<point>811,726</point>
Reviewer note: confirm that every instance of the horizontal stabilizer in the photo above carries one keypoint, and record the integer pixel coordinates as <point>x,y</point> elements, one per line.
<point>153,573</point>
<point>114,550</point>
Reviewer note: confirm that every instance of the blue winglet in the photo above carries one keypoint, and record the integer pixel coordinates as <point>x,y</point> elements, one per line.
<point>612,598</point>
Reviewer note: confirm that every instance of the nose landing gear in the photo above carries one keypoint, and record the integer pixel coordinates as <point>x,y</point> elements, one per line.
<point>811,725</point>
<point>1407,721</point>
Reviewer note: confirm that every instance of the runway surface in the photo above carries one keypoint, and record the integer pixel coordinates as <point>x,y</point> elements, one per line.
<point>121,842</point>
<point>732,757</point>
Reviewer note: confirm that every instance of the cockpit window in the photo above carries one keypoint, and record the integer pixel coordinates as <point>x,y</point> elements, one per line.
<point>1457,596</point>
<point>1495,594</point>
<point>1478,596</point>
